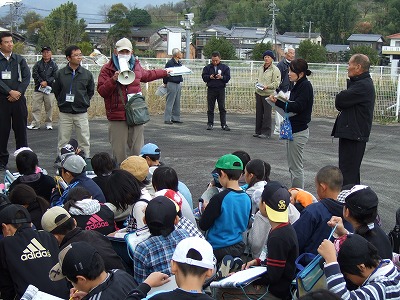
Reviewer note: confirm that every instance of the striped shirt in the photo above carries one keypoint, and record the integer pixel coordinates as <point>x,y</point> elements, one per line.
<point>383,283</point>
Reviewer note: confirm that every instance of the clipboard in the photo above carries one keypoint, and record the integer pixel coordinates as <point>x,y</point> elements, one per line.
<point>240,279</point>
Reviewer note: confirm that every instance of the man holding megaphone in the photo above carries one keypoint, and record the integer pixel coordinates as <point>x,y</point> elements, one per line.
<point>119,79</point>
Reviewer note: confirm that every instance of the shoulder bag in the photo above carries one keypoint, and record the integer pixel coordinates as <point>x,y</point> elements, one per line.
<point>285,132</point>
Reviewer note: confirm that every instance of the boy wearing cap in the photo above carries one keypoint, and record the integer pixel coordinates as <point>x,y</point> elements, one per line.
<point>268,79</point>
<point>83,266</point>
<point>282,245</point>
<point>311,228</point>
<point>59,222</point>
<point>43,74</point>
<point>155,253</point>
<point>26,256</point>
<point>116,95</point>
<point>73,172</point>
<point>192,263</point>
<point>359,262</point>
<point>227,214</point>
<point>151,153</point>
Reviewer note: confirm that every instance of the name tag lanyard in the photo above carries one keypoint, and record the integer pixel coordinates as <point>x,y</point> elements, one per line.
<point>6,74</point>
<point>70,97</point>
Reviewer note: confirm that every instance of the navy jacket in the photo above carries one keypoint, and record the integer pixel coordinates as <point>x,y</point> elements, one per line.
<point>170,64</point>
<point>286,84</point>
<point>300,102</point>
<point>216,83</point>
<point>312,228</point>
<point>356,109</point>
<point>43,71</point>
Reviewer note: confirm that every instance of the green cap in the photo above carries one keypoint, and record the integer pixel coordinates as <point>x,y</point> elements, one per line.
<point>229,162</point>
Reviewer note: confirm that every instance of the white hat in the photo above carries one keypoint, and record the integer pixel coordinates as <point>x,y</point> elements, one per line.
<point>201,246</point>
<point>49,218</point>
<point>123,44</point>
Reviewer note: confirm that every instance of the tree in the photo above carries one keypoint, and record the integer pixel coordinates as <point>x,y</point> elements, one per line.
<point>86,48</point>
<point>139,17</point>
<point>29,18</point>
<point>259,49</point>
<point>222,45</point>
<point>311,52</point>
<point>62,27</point>
<point>368,51</point>
<point>119,30</point>
<point>117,12</point>
<point>32,23</point>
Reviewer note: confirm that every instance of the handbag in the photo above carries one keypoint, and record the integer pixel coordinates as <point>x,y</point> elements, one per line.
<point>285,132</point>
<point>312,277</point>
<point>136,111</point>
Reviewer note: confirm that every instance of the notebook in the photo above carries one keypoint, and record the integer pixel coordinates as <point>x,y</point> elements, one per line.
<point>240,279</point>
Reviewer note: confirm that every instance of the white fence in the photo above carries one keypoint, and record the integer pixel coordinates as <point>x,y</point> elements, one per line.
<point>327,80</point>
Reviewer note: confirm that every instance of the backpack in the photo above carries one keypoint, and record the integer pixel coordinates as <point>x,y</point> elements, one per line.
<point>136,110</point>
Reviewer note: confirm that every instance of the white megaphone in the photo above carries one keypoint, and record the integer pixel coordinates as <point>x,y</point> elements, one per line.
<point>125,76</point>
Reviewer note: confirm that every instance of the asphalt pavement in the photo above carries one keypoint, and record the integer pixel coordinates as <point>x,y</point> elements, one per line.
<point>192,151</point>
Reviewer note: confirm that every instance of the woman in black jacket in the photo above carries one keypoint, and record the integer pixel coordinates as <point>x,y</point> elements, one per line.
<point>300,102</point>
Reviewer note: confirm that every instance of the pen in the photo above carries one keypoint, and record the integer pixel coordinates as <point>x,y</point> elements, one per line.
<point>333,230</point>
<point>72,297</point>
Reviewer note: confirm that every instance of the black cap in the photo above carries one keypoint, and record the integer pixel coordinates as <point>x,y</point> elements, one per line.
<point>14,214</point>
<point>353,251</point>
<point>161,213</point>
<point>45,48</point>
<point>361,199</point>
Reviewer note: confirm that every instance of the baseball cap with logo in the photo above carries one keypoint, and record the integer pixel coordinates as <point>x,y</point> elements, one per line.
<point>172,195</point>
<point>45,48</point>
<point>73,163</point>
<point>123,44</point>
<point>54,217</point>
<point>228,162</point>
<point>181,253</point>
<point>137,166</point>
<point>14,214</point>
<point>75,259</point>
<point>277,199</point>
<point>150,149</point>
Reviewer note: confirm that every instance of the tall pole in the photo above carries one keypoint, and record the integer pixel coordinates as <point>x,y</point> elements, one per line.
<point>187,54</point>
<point>309,29</point>
<point>11,17</point>
<point>272,7</point>
<point>188,23</point>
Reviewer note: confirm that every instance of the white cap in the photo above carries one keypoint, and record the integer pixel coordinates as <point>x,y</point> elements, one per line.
<point>201,246</point>
<point>123,44</point>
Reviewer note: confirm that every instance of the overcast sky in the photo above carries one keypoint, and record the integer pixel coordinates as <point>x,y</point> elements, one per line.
<point>87,9</point>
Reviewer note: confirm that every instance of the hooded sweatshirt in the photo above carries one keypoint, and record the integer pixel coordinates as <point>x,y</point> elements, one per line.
<point>312,228</point>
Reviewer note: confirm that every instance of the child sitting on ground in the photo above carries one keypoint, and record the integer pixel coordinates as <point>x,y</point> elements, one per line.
<point>192,263</point>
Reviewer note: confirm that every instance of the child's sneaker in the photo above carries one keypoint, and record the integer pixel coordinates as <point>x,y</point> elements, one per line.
<point>225,267</point>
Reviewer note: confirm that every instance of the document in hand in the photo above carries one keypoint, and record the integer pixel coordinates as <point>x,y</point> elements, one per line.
<point>182,70</point>
<point>278,109</point>
<point>240,279</point>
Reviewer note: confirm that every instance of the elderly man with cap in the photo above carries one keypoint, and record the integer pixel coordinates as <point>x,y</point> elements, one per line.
<point>268,80</point>
<point>116,95</point>
<point>26,256</point>
<point>73,171</point>
<point>43,74</point>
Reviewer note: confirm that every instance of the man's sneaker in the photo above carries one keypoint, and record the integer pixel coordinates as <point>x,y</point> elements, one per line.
<point>209,127</point>
<point>33,127</point>
<point>256,135</point>
<point>262,136</point>
<point>225,268</point>
<point>49,127</point>
<point>237,264</point>
<point>226,128</point>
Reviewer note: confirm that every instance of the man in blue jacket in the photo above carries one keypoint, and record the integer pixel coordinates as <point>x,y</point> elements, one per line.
<point>354,122</point>
<point>216,75</point>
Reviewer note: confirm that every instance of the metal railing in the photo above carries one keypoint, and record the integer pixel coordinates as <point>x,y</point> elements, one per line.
<point>327,80</point>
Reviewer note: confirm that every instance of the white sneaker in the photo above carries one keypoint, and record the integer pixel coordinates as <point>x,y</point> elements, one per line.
<point>49,127</point>
<point>32,127</point>
<point>276,132</point>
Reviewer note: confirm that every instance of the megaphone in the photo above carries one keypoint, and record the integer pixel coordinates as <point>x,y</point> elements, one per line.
<point>125,76</point>
<point>99,58</point>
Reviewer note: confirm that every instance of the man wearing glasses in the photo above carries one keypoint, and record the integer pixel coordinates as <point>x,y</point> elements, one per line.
<point>73,88</point>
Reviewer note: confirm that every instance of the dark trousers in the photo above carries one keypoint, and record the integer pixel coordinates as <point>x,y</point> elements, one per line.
<point>350,156</point>
<point>219,95</point>
<point>235,250</point>
<point>263,116</point>
<point>12,115</point>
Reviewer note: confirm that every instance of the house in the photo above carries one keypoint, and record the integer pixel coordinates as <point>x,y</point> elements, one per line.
<point>374,41</point>
<point>203,36</point>
<point>97,33</point>
<point>394,51</point>
<point>159,41</point>
<point>337,53</point>
<point>314,37</point>
<point>141,37</point>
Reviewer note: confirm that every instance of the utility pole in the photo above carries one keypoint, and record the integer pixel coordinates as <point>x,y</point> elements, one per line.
<point>309,29</point>
<point>272,7</point>
<point>187,24</point>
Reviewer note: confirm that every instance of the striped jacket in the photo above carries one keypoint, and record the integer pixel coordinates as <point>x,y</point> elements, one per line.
<point>382,284</point>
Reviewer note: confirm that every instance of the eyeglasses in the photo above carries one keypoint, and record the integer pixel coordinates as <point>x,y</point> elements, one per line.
<point>77,55</point>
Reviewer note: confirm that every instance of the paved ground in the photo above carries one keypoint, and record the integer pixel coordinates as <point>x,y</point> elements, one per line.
<point>193,151</point>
